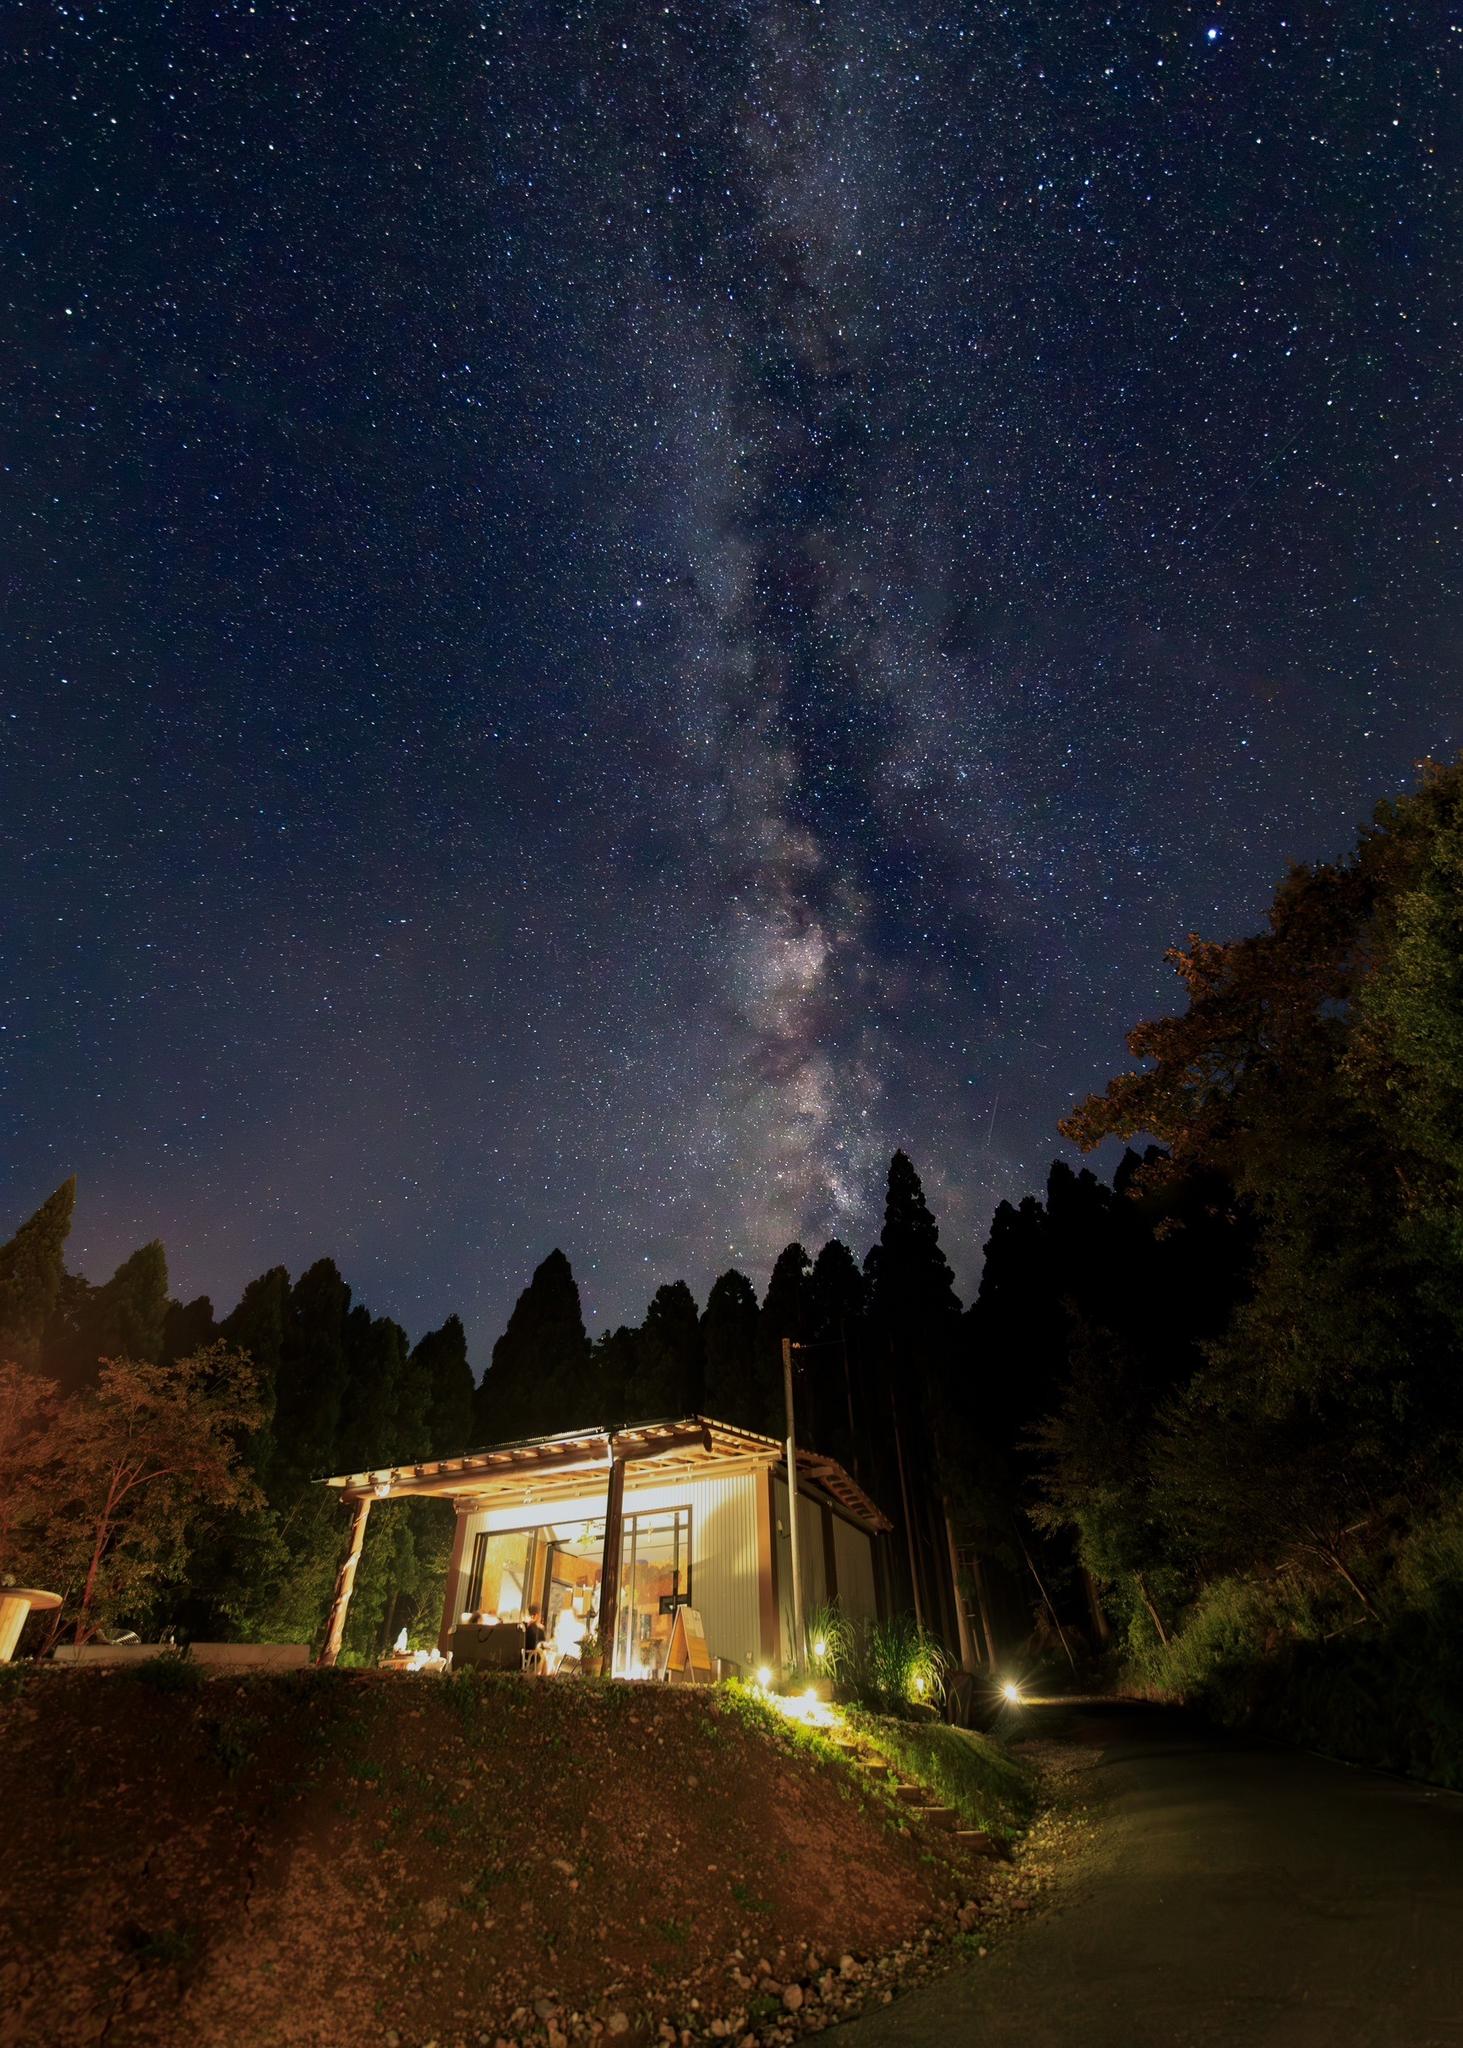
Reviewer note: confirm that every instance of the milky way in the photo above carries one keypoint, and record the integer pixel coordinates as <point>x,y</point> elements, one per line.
<point>611,611</point>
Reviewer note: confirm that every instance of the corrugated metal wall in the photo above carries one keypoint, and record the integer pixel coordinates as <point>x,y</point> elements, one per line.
<point>723,1548</point>
<point>852,1556</point>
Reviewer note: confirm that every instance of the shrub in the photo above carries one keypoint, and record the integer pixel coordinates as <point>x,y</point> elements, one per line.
<point>832,1642</point>
<point>169,1671</point>
<point>899,1666</point>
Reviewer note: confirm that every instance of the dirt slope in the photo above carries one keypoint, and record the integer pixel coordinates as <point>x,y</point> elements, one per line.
<point>343,1857</point>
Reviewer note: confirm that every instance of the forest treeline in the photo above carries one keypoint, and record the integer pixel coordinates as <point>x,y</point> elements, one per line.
<point>304,1381</point>
<point>1204,1416</point>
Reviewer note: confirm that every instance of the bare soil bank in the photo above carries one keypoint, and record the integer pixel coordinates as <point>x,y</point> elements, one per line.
<point>346,1857</point>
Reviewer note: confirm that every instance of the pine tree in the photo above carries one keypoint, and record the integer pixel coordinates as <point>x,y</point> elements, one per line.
<point>441,1357</point>
<point>837,1300</point>
<point>784,1313</point>
<point>373,1428</point>
<point>31,1265</point>
<point>729,1347</point>
<point>538,1381</point>
<point>256,1323</point>
<point>128,1313</point>
<point>311,1383</point>
<point>189,1327</point>
<point>668,1369</point>
<point>914,1323</point>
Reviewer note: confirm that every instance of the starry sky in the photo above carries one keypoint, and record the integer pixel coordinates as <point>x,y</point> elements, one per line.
<point>611,610</point>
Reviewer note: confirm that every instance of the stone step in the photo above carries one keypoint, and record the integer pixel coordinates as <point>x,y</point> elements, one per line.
<point>976,1840</point>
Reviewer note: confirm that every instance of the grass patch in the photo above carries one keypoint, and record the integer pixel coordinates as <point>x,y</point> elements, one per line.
<point>986,1786</point>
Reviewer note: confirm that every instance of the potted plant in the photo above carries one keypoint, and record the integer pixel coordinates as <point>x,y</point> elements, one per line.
<point>591,1657</point>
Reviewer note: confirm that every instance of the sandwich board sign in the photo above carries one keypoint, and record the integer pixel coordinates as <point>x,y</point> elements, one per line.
<point>687,1659</point>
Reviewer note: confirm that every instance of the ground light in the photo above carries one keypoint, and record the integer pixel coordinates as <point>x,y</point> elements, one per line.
<point>1011,1693</point>
<point>806,1708</point>
<point>764,1676</point>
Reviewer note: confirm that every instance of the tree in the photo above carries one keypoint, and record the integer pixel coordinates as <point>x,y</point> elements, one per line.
<point>136,1464</point>
<point>377,1427</point>
<point>538,1380</point>
<point>837,1299</point>
<point>729,1343</point>
<point>1309,1096</point>
<point>441,1358</point>
<point>188,1326</point>
<point>666,1363</point>
<point>914,1323</point>
<point>124,1317</point>
<point>784,1313</point>
<point>312,1375</point>
<point>28,1409</point>
<point>31,1265</point>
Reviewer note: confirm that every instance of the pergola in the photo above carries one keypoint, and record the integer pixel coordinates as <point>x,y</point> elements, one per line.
<point>549,1468</point>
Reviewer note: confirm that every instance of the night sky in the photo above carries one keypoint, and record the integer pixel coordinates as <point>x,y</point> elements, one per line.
<point>610,611</point>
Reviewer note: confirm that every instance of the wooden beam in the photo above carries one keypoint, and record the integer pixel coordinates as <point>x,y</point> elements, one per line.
<point>609,1571</point>
<point>450,1593</point>
<point>345,1580</point>
<point>658,1447</point>
<point>475,1471</point>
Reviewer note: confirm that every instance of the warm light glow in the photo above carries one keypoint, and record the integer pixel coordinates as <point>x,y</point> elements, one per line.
<point>808,1709</point>
<point>811,1693</point>
<point>764,1675</point>
<point>383,1488</point>
<point>1012,1693</point>
<point>919,1684</point>
<point>820,1648</point>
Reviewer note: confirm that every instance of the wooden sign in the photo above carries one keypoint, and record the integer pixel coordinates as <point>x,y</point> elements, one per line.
<point>687,1658</point>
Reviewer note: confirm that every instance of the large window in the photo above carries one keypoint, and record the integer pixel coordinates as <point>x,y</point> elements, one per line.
<point>516,1572</point>
<point>505,1574</point>
<point>655,1573</point>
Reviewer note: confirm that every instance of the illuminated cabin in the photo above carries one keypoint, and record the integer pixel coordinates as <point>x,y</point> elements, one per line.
<point>620,1527</point>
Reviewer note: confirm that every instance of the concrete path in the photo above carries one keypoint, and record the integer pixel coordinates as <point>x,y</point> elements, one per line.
<point>1236,1894</point>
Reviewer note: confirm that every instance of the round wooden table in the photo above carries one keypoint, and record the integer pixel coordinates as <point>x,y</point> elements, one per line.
<point>16,1603</point>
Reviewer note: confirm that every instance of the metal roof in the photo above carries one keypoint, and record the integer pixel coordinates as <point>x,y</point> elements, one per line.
<point>556,1467</point>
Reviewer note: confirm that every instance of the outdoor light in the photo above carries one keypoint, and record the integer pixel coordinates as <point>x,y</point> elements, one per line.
<point>820,1648</point>
<point>811,1695</point>
<point>919,1683</point>
<point>383,1488</point>
<point>764,1675</point>
<point>1011,1692</point>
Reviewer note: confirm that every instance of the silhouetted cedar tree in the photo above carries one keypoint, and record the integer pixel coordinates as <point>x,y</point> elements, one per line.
<point>31,1266</point>
<point>729,1348</point>
<point>537,1380</point>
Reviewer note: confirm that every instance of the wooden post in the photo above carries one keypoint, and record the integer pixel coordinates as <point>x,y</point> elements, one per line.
<point>345,1580</point>
<point>968,1657</point>
<point>451,1593</point>
<point>799,1647</point>
<point>609,1570</point>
